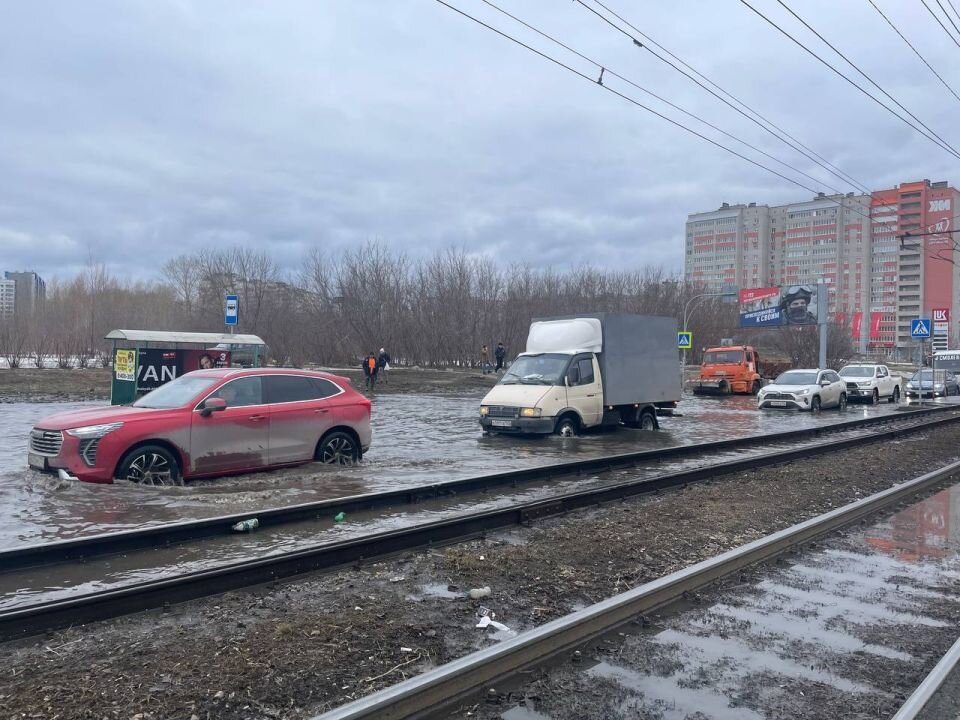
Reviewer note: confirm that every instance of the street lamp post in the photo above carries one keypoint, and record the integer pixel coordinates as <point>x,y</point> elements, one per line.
<point>687,311</point>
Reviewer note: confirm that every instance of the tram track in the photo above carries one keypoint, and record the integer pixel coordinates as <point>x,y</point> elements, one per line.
<point>87,548</point>
<point>439,690</point>
<point>104,604</point>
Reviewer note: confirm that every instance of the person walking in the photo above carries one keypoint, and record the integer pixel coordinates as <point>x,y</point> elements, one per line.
<point>485,359</point>
<point>383,364</point>
<point>370,369</point>
<point>499,354</point>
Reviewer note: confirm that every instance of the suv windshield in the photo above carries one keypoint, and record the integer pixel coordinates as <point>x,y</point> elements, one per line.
<point>544,369</point>
<point>176,393</point>
<point>796,377</point>
<point>723,357</point>
<point>857,371</point>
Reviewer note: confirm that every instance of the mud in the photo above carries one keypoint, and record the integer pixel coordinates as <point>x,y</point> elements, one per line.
<point>73,385</point>
<point>294,649</point>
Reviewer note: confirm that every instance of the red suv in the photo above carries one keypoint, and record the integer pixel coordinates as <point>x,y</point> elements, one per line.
<point>209,422</point>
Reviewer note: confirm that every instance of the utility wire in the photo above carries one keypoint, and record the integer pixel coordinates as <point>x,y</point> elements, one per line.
<point>867,77</point>
<point>608,71</point>
<point>721,99</point>
<point>649,41</point>
<point>953,7</point>
<point>833,69</point>
<point>937,18</point>
<point>917,52</point>
<point>637,103</point>
<point>947,15</point>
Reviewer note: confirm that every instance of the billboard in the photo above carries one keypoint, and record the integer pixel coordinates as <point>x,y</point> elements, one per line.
<point>789,305</point>
<point>157,367</point>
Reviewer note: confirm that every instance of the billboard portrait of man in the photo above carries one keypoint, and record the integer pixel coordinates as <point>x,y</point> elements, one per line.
<point>799,305</point>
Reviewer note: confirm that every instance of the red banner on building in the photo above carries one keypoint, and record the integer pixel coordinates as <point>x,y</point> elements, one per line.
<point>875,325</point>
<point>857,325</point>
<point>752,295</point>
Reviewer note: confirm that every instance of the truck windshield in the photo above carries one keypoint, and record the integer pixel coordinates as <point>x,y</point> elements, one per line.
<point>795,377</point>
<point>857,371</point>
<point>543,369</point>
<point>723,357</point>
<point>176,393</point>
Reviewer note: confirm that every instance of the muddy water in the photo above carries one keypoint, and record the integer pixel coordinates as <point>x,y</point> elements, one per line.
<point>417,439</point>
<point>844,631</point>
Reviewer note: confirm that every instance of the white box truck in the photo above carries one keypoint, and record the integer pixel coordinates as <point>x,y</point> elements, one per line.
<point>584,371</point>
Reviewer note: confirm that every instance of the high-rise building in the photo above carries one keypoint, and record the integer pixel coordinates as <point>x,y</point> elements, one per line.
<point>31,291</point>
<point>8,293</point>
<point>728,246</point>
<point>879,277</point>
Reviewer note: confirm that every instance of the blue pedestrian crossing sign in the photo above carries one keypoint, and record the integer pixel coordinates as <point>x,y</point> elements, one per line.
<point>684,340</point>
<point>920,328</point>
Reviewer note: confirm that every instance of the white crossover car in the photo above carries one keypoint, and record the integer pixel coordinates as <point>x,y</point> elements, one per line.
<point>805,390</point>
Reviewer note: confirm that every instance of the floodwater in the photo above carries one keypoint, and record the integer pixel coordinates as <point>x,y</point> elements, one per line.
<point>844,631</point>
<point>417,439</point>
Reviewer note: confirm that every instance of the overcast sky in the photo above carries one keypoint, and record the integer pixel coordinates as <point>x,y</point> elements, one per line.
<point>135,130</point>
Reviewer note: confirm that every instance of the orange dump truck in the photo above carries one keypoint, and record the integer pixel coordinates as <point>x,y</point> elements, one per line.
<point>729,369</point>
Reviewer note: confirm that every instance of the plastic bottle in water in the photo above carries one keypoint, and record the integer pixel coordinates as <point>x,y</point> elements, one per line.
<point>247,525</point>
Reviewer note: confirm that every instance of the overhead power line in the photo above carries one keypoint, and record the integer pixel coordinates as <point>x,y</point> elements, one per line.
<point>650,43</point>
<point>865,76</point>
<point>793,145</point>
<point>596,82</point>
<point>947,15</point>
<point>917,52</point>
<point>851,82</point>
<point>605,68</point>
<point>940,22</point>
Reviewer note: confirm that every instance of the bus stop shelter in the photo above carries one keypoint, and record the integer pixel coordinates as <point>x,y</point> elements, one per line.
<point>146,359</point>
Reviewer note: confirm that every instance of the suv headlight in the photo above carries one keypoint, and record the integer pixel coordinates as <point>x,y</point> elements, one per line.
<point>805,391</point>
<point>864,384</point>
<point>530,412</point>
<point>484,410</point>
<point>90,432</point>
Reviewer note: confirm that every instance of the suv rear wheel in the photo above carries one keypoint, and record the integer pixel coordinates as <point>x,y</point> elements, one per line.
<point>338,448</point>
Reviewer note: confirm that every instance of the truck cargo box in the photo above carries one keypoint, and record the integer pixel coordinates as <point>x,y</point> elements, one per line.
<point>637,354</point>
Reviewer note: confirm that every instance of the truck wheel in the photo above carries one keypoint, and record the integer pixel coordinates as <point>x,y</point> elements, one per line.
<point>648,421</point>
<point>755,388</point>
<point>895,398</point>
<point>723,388</point>
<point>567,427</point>
<point>875,398</point>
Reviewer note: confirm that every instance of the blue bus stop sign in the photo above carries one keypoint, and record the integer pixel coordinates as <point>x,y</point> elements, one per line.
<point>231,312</point>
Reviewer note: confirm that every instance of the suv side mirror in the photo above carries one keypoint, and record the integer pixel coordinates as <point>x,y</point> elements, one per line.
<point>212,405</point>
<point>824,382</point>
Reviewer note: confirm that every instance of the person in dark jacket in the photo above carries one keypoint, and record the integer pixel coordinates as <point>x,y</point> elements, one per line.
<point>383,364</point>
<point>499,354</point>
<point>370,368</point>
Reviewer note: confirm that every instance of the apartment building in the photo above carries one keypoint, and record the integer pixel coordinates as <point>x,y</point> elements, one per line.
<point>887,257</point>
<point>30,293</point>
<point>8,294</point>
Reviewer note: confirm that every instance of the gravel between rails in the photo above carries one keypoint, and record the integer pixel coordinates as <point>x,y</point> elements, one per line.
<point>294,649</point>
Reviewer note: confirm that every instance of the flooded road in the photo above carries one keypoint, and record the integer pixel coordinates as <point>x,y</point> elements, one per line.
<point>842,631</point>
<point>417,439</point>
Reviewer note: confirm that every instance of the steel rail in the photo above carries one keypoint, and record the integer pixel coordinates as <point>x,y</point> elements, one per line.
<point>113,602</point>
<point>125,541</point>
<point>927,690</point>
<point>441,687</point>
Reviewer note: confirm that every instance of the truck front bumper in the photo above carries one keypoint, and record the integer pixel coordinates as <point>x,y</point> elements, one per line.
<point>532,426</point>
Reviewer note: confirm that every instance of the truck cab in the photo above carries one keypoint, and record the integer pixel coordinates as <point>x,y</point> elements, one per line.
<point>728,369</point>
<point>540,388</point>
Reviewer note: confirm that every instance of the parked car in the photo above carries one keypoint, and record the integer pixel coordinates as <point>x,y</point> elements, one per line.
<point>804,390</point>
<point>208,423</point>
<point>870,383</point>
<point>943,385</point>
